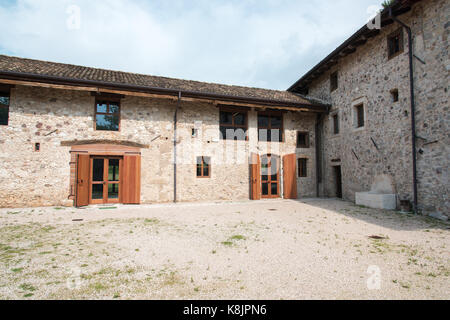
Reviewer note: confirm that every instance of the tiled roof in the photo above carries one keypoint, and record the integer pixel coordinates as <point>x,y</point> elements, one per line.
<point>69,72</point>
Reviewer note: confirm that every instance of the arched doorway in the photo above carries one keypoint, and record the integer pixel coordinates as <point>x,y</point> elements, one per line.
<point>270,176</point>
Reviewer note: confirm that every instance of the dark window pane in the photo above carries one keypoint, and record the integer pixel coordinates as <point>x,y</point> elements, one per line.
<point>274,189</point>
<point>360,115</point>
<point>4,113</point>
<point>113,191</point>
<point>239,119</point>
<point>302,167</point>
<point>206,171</point>
<point>199,170</point>
<point>226,117</point>
<point>336,124</point>
<point>97,191</point>
<point>107,122</point>
<point>113,170</point>
<point>113,108</point>
<point>98,169</point>
<point>265,189</point>
<point>102,107</point>
<point>263,121</point>
<point>4,100</point>
<point>275,122</point>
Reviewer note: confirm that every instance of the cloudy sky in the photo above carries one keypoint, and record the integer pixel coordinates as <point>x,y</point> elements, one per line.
<point>262,43</point>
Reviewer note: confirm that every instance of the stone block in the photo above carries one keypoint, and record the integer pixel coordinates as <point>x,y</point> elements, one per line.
<point>376,200</point>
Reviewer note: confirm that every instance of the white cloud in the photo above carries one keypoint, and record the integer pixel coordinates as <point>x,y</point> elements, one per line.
<point>264,43</point>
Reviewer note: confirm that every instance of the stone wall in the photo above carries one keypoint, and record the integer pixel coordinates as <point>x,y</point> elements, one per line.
<point>369,76</point>
<point>51,117</point>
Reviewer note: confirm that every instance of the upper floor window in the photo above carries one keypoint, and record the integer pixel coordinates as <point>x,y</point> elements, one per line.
<point>4,108</point>
<point>203,167</point>
<point>302,139</point>
<point>333,81</point>
<point>107,115</point>
<point>336,123</point>
<point>359,116</point>
<point>270,126</point>
<point>395,43</point>
<point>233,124</point>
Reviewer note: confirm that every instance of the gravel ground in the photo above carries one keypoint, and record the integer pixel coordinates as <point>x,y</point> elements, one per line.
<point>276,249</point>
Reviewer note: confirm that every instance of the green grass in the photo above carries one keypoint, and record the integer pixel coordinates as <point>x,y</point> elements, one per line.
<point>108,208</point>
<point>237,237</point>
<point>27,287</point>
<point>151,221</point>
<point>15,270</point>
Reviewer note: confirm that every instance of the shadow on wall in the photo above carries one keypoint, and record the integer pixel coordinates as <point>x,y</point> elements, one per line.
<point>393,220</point>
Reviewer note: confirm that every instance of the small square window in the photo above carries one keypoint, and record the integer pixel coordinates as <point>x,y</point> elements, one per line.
<point>203,167</point>
<point>395,43</point>
<point>359,112</point>
<point>233,124</point>
<point>302,167</point>
<point>394,95</point>
<point>333,81</point>
<point>302,139</point>
<point>107,116</point>
<point>336,124</point>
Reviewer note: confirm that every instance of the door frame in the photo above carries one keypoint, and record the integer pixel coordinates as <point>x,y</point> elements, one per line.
<point>278,181</point>
<point>105,182</point>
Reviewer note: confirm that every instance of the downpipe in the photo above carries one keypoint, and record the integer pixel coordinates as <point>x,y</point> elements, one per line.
<point>175,121</point>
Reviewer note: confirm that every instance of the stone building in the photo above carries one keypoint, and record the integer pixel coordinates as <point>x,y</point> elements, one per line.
<point>367,135</point>
<point>72,135</point>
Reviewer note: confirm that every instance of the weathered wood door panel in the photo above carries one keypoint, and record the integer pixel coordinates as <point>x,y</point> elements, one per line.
<point>131,179</point>
<point>255,177</point>
<point>289,176</point>
<point>83,173</point>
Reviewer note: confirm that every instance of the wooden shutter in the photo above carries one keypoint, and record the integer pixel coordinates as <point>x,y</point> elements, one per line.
<point>289,177</point>
<point>83,171</point>
<point>131,184</point>
<point>255,177</point>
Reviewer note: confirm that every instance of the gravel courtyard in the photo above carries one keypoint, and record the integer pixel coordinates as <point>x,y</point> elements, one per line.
<point>278,249</point>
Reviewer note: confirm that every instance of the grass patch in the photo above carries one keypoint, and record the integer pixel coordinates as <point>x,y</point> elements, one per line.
<point>15,270</point>
<point>107,208</point>
<point>238,237</point>
<point>152,221</point>
<point>27,287</point>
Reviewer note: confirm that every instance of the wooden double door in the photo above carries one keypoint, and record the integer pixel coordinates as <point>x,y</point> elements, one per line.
<point>108,179</point>
<point>265,177</point>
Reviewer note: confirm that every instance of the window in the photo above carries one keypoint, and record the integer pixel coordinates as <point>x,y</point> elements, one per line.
<point>333,81</point>
<point>233,124</point>
<point>359,111</point>
<point>194,133</point>
<point>394,95</point>
<point>107,115</point>
<point>395,43</point>
<point>37,147</point>
<point>203,167</point>
<point>336,124</point>
<point>302,139</point>
<point>302,167</point>
<point>4,108</point>
<point>270,127</point>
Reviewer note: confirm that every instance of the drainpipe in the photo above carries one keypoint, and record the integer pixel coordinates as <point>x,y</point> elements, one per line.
<point>413,113</point>
<point>175,119</point>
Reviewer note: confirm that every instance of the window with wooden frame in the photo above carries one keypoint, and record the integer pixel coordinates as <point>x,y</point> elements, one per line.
<point>107,115</point>
<point>333,81</point>
<point>203,167</point>
<point>270,127</point>
<point>336,123</point>
<point>4,108</point>
<point>302,139</point>
<point>359,115</point>
<point>233,124</point>
<point>302,164</point>
<point>395,43</point>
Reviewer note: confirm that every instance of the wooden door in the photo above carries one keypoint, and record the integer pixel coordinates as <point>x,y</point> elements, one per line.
<point>289,176</point>
<point>131,179</point>
<point>255,177</point>
<point>82,188</point>
<point>270,176</point>
<point>105,180</point>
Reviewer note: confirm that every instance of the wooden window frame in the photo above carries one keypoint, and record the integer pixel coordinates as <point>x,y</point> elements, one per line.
<point>397,33</point>
<point>107,101</point>
<point>336,124</point>
<point>334,81</point>
<point>359,109</point>
<point>307,140</point>
<point>4,106</point>
<point>302,171</point>
<point>271,114</point>
<point>235,126</point>
<point>202,166</point>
